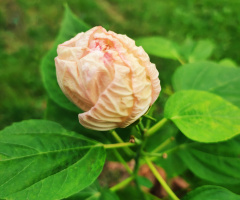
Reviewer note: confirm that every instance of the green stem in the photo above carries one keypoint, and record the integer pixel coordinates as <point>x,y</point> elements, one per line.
<point>137,158</point>
<point>149,117</point>
<point>156,127</point>
<point>117,145</point>
<point>97,194</point>
<point>140,148</point>
<point>179,58</point>
<point>122,184</point>
<point>160,179</point>
<point>115,187</point>
<point>127,150</point>
<point>116,136</point>
<point>142,129</point>
<point>148,123</point>
<point>120,158</point>
<point>164,144</point>
<point>169,151</point>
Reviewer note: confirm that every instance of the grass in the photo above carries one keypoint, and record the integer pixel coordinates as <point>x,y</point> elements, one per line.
<point>28,29</point>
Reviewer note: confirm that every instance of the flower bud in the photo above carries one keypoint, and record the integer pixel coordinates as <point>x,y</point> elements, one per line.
<point>107,76</point>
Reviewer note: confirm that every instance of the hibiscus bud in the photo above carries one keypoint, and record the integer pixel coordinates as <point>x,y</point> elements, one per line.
<point>107,76</point>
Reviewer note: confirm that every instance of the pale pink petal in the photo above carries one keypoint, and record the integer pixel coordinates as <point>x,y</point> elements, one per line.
<point>113,106</point>
<point>69,81</point>
<point>108,76</point>
<point>144,60</point>
<point>93,75</point>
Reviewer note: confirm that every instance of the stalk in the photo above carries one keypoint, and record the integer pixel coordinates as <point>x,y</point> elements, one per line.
<point>160,179</point>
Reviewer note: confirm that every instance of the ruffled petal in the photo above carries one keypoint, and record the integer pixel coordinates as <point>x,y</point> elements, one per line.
<point>142,90</point>
<point>129,47</point>
<point>114,104</point>
<point>68,78</point>
<point>94,75</point>
<point>108,76</point>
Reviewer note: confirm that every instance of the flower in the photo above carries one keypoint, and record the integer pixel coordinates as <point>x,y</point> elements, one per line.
<point>107,76</point>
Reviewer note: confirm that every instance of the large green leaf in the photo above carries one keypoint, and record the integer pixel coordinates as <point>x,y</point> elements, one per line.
<point>71,25</point>
<point>210,192</point>
<point>159,46</point>
<point>209,76</point>
<point>218,163</point>
<point>203,116</point>
<point>41,160</point>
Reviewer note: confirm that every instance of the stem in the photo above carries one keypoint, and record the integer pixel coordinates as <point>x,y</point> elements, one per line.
<point>148,123</point>
<point>181,146</point>
<point>97,194</point>
<point>142,129</point>
<point>179,58</point>
<point>120,158</point>
<point>140,148</point>
<point>122,184</point>
<point>160,179</point>
<point>137,158</point>
<point>117,145</point>
<point>116,136</point>
<point>164,144</point>
<point>156,127</point>
<point>149,117</point>
<point>127,150</point>
<point>115,187</point>
<point>153,154</point>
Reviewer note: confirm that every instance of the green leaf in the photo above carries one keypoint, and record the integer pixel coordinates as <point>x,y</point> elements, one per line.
<point>71,26</point>
<point>91,190</point>
<point>94,192</point>
<point>36,155</point>
<point>202,51</point>
<point>210,192</point>
<point>68,120</point>
<point>203,116</point>
<point>209,76</point>
<point>142,180</point>
<point>108,195</point>
<point>159,46</point>
<point>194,51</point>
<point>227,62</point>
<point>130,192</point>
<point>218,163</point>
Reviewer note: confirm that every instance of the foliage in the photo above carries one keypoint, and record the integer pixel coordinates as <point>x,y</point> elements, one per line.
<point>197,132</point>
<point>211,192</point>
<point>69,162</point>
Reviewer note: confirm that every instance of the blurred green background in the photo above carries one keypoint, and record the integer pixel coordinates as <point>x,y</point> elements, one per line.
<point>28,29</point>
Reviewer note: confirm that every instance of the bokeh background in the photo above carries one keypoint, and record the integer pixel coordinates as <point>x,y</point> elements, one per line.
<point>28,29</point>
